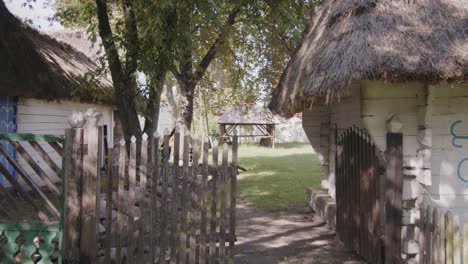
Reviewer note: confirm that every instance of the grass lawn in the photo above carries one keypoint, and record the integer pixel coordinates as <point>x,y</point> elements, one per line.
<point>276,178</point>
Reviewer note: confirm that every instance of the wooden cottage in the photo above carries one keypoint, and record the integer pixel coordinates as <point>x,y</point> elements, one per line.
<point>380,66</point>
<point>43,80</point>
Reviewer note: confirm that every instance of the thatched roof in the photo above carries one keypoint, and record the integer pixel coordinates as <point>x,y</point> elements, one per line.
<point>38,66</point>
<point>255,115</point>
<point>79,40</point>
<point>374,40</point>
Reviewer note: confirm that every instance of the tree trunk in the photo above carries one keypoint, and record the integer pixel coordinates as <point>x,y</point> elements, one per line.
<point>186,104</point>
<point>153,105</point>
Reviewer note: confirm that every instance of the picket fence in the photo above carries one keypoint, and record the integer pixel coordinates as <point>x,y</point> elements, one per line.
<point>155,205</point>
<point>443,237</point>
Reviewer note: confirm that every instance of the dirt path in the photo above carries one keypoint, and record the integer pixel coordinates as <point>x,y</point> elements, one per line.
<point>292,236</point>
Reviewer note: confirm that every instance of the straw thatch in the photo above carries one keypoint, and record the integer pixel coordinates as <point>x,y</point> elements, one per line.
<point>416,40</point>
<point>38,66</point>
<point>255,115</point>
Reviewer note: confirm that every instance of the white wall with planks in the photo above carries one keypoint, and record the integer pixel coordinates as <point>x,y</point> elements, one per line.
<point>50,117</point>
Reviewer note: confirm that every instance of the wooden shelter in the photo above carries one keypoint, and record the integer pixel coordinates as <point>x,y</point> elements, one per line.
<point>261,119</point>
<point>364,70</point>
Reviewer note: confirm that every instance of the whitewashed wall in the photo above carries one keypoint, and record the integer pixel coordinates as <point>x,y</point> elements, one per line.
<point>50,117</point>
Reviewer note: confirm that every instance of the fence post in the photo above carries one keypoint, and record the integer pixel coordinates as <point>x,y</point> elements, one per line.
<point>393,191</point>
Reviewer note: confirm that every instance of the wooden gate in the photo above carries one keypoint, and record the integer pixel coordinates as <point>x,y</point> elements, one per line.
<point>152,203</point>
<point>30,227</point>
<point>358,194</point>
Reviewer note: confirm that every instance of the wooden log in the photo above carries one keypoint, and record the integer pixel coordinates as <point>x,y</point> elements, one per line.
<point>131,244</point>
<point>163,231</point>
<point>214,198</point>
<point>143,206</point>
<point>183,256</point>
<point>233,202</point>
<point>154,168</point>
<point>393,197</point>
<point>72,194</point>
<point>29,181</point>
<point>109,183</point>
<point>89,213</point>
<point>47,159</point>
<point>203,191</point>
<point>120,201</point>
<point>175,232</point>
<point>194,200</point>
<point>39,171</point>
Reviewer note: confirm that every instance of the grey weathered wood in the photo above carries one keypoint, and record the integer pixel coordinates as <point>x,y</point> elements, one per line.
<point>53,210</point>
<point>175,232</point>
<point>184,200</point>
<point>436,241</point>
<point>72,194</point>
<point>56,146</point>
<point>131,201</point>
<point>194,200</point>
<point>40,172</point>
<point>204,199</point>
<point>442,221</point>
<point>89,213</point>
<point>465,240</point>
<point>154,167</point>
<point>457,246</point>
<point>163,231</point>
<point>109,182</point>
<point>120,201</point>
<point>449,237</point>
<point>214,198</point>
<point>48,160</point>
<point>394,187</point>
<point>233,202</point>
<point>222,218</point>
<point>143,206</point>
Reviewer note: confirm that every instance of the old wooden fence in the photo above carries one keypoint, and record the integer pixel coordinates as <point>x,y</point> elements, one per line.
<point>157,204</point>
<point>443,237</point>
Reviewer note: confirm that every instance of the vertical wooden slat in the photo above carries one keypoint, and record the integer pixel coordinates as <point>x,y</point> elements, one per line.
<point>175,233</point>
<point>163,231</point>
<point>233,194</point>
<point>422,235</point>
<point>72,194</point>
<point>428,236</point>
<point>355,192</point>
<point>436,237</point>
<point>361,195</point>
<point>131,201</point>
<point>143,205</point>
<point>457,247</point>
<point>194,200</point>
<point>184,199</point>
<point>88,247</point>
<point>465,240</point>
<point>443,244</point>
<point>120,201</point>
<point>345,206</point>
<point>393,192</point>
<point>222,218</point>
<point>214,198</point>
<point>449,237</point>
<point>110,183</point>
<point>154,172</point>
<point>204,190</point>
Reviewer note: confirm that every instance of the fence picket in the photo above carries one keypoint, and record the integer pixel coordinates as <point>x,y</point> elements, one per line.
<point>154,172</point>
<point>120,201</point>
<point>163,231</point>
<point>143,205</point>
<point>108,227</point>
<point>449,237</point>
<point>131,244</point>
<point>233,202</point>
<point>184,198</point>
<point>436,236</point>
<point>204,189</point>
<point>465,240</point>
<point>214,198</point>
<point>175,233</point>
<point>222,217</point>
<point>442,220</point>
<point>194,200</point>
<point>457,246</point>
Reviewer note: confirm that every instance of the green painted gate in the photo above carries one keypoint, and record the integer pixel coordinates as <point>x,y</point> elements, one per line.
<point>31,199</point>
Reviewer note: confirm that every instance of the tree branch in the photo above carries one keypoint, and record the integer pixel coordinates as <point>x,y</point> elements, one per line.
<point>211,53</point>
<point>131,38</point>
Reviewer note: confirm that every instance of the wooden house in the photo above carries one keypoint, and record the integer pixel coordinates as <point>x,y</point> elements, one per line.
<point>366,63</point>
<point>42,80</point>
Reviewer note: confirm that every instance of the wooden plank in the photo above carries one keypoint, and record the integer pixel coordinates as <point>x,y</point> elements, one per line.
<point>233,202</point>
<point>143,207</point>
<point>449,238</point>
<point>194,200</point>
<point>40,172</point>
<point>204,198</point>
<point>393,193</point>
<point>72,195</point>
<point>52,209</point>
<point>56,147</point>
<point>120,201</point>
<point>457,245</point>
<point>109,183</point>
<point>175,232</point>
<point>131,244</point>
<point>214,198</point>
<point>428,254</point>
<point>163,231</point>
<point>30,137</point>
<point>154,173</point>
<point>442,221</point>
<point>436,236</point>
<point>465,240</point>
<point>89,213</point>
<point>48,160</point>
<point>422,235</point>
<point>184,199</point>
<point>222,218</point>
